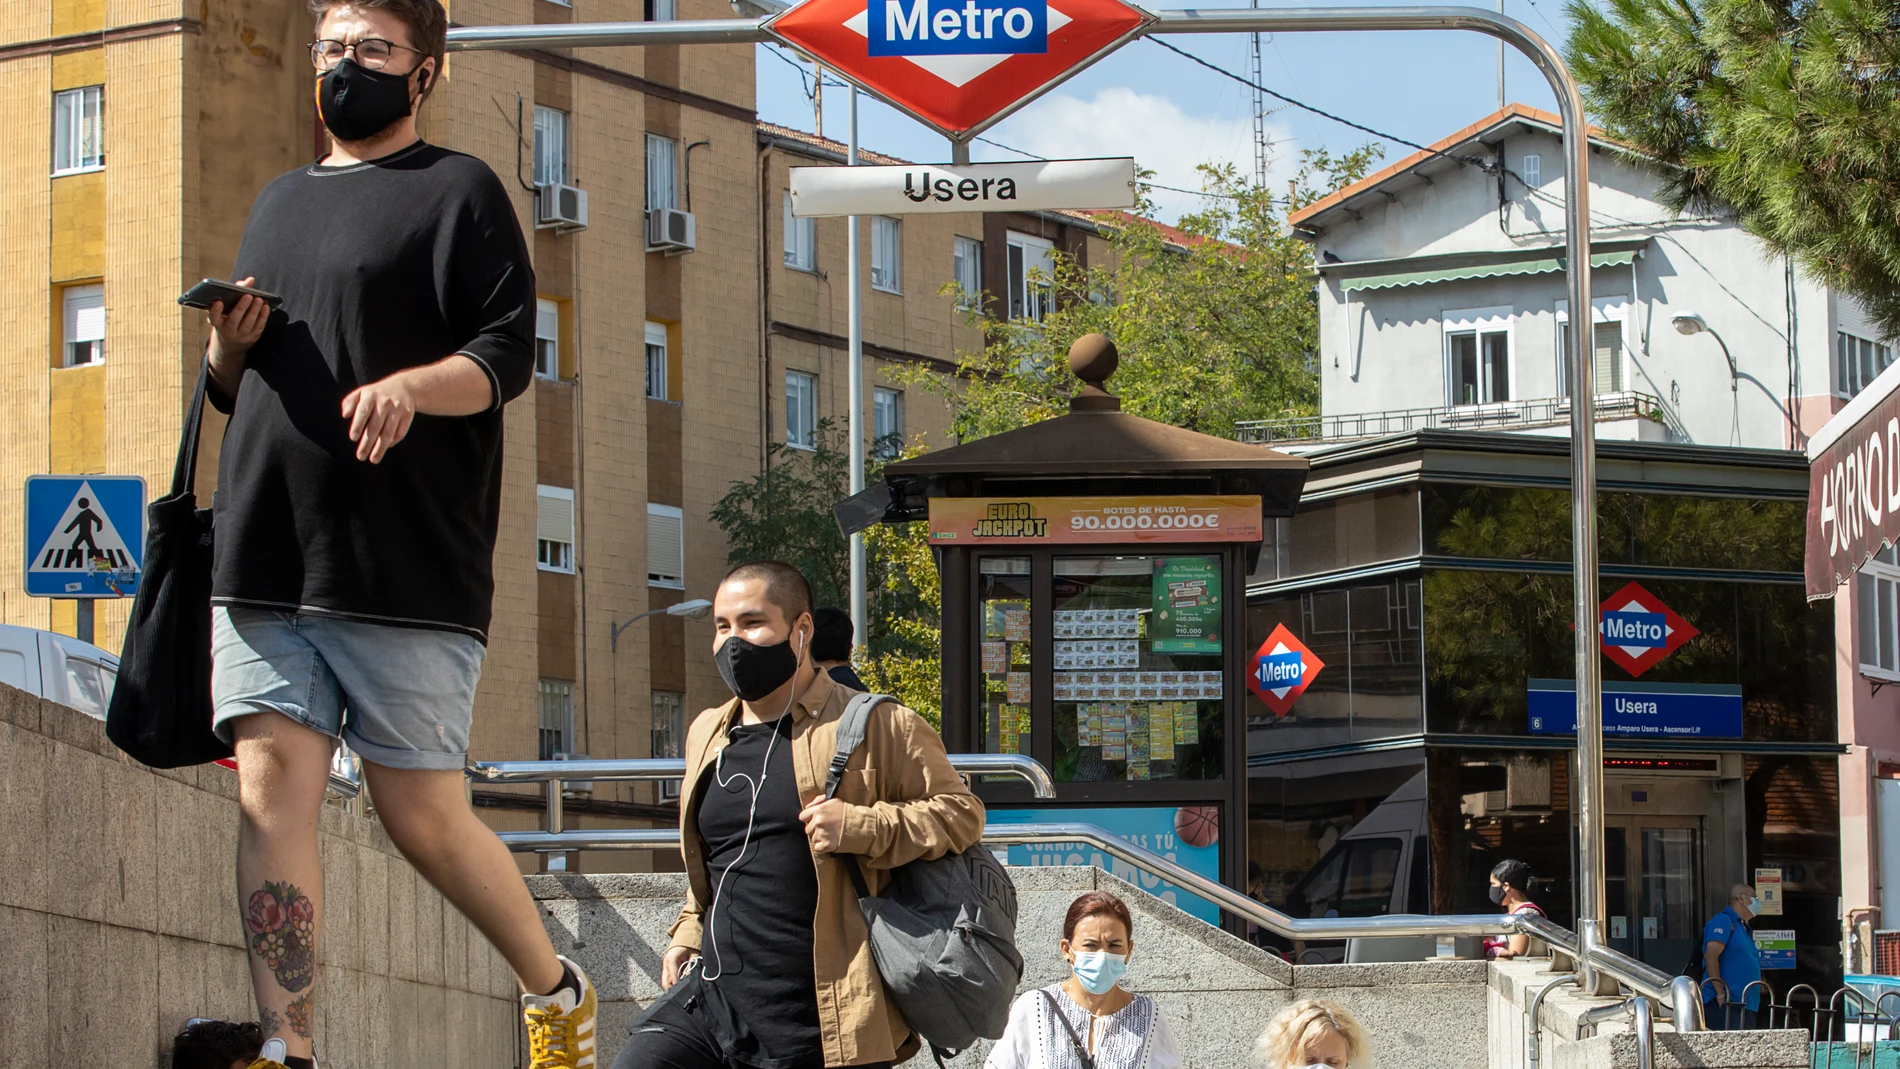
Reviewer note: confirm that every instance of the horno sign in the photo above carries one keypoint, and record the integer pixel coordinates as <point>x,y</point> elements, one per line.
<point>982,187</point>
<point>957,65</point>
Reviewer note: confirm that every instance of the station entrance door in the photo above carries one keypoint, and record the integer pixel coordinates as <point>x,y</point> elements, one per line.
<point>1668,843</point>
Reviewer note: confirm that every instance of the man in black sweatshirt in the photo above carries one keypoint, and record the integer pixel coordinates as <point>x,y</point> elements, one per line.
<point>358,493</point>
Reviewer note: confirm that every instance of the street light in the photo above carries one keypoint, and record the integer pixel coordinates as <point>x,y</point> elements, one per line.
<point>695,609</point>
<point>1687,323</point>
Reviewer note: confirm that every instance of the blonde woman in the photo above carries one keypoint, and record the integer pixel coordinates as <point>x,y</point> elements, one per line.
<point>1313,1034</point>
<point>1088,1021</point>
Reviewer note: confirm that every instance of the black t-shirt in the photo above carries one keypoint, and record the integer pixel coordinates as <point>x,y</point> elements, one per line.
<point>758,944</point>
<point>383,266</point>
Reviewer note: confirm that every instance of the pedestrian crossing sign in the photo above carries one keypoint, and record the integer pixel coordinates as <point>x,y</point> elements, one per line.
<point>85,535</point>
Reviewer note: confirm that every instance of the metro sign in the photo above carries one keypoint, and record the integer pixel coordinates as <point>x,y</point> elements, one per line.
<point>1638,630</point>
<point>1281,670</point>
<point>958,65</point>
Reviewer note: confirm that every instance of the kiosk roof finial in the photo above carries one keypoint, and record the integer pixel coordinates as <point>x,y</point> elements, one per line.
<point>1093,358</point>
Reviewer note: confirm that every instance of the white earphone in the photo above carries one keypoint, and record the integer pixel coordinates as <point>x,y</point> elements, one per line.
<point>752,817</point>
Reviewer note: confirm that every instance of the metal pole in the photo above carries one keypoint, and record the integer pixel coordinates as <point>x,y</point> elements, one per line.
<point>855,311</point>
<point>82,619</point>
<point>1588,795</point>
<point>1500,62</point>
<point>557,860</point>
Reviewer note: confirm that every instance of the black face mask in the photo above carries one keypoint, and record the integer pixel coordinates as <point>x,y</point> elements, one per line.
<point>752,671</point>
<point>1497,895</point>
<point>357,103</point>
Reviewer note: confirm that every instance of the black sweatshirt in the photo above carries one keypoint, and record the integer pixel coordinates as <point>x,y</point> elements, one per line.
<point>383,266</point>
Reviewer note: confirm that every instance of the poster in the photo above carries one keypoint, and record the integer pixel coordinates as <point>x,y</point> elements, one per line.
<point>1016,625</point>
<point>1155,828</point>
<point>1161,731</point>
<point>1018,684</point>
<point>995,658</point>
<point>1186,605</point>
<point>1082,520</point>
<point>1187,724</point>
<point>1768,891</point>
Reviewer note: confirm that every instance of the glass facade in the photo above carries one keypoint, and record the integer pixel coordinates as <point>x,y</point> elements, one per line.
<point>1002,599</point>
<point>1373,683</point>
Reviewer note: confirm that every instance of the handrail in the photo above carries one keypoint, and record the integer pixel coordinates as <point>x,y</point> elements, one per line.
<point>664,768</point>
<point>1645,1033</point>
<point>1532,1027</point>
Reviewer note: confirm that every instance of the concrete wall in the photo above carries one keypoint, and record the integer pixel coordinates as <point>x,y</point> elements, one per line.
<point>119,921</point>
<point>1217,992</point>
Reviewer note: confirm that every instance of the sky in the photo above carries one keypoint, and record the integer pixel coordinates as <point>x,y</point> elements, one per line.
<point>1172,115</point>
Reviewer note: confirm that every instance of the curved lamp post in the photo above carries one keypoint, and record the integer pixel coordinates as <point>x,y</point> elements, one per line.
<point>695,609</point>
<point>1687,323</point>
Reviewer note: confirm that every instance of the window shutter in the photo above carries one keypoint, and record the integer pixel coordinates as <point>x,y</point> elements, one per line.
<point>554,516</point>
<point>85,313</point>
<point>1607,361</point>
<point>666,546</point>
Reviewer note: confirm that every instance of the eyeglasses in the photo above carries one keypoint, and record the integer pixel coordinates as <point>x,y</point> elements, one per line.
<point>371,52</point>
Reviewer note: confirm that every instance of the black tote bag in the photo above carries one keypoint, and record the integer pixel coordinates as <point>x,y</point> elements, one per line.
<point>161,706</point>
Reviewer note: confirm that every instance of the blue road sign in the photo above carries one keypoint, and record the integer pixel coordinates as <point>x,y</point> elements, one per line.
<point>1658,710</point>
<point>85,535</point>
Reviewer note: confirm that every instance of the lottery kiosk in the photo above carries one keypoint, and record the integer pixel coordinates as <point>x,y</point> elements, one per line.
<point>1094,599</point>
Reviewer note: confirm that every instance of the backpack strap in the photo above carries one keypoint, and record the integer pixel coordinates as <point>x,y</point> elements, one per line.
<point>851,729</point>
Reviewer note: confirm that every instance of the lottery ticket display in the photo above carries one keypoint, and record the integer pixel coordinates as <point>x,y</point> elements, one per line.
<point>1137,686</point>
<point>1097,623</point>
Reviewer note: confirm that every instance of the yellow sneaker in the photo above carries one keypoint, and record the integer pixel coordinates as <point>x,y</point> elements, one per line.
<point>561,1026</point>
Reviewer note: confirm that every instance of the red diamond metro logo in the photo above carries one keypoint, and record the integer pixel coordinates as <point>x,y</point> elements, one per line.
<point>1638,630</point>
<point>958,65</point>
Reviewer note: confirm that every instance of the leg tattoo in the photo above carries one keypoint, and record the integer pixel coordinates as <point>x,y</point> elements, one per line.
<point>299,1012</point>
<point>283,927</point>
<point>268,1022</point>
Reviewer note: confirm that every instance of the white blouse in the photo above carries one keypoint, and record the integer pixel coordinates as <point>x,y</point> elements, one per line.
<point>1136,1037</point>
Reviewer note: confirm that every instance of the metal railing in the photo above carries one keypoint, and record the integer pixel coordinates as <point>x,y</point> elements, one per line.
<point>1498,416</point>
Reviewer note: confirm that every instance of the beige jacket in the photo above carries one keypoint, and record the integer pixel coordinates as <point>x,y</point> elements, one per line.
<point>904,802</point>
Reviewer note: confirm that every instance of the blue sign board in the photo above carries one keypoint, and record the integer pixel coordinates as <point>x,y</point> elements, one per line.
<point>85,535</point>
<point>1650,710</point>
<point>1643,630</point>
<point>1281,670</point>
<point>1150,827</point>
<point>957,27</point>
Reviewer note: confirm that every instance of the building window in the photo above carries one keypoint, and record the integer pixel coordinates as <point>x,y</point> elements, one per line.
<point>554,528</point>
<point>666,546</point>
<point>83,326</point>
<point>656,361</point>
<point>801,410</point>
<point>547,338</point>
<point>801,239</point>
<point>557,718</point>
<point>966,263</point>
<point>1606,356</point>
<point>887,422</point>
<point>663,168</point>
<point>661,10</point>
<point>668,733</point>
<point>1032,270</point>
<point>1877,601</point>
<point>886,253</point>
<point>1533,168</point>
<point>1478,356</point>
<point>79,130</point>
<point>1858,362</point>
<point>550,146</point>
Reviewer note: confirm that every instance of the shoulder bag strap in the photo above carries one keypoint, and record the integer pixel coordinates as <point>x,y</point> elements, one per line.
<point>185,469</point>
<point>1081,1049</point>
<point>851,730</point>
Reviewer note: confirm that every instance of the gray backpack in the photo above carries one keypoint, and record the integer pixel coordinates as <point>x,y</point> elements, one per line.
<point>944,932</point>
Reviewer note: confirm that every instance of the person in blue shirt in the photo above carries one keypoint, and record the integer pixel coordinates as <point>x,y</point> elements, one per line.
<point>1730,963</point>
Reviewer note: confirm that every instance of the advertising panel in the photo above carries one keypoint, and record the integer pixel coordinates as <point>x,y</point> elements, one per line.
<point>1189,836</point>
<point>1094,520</point>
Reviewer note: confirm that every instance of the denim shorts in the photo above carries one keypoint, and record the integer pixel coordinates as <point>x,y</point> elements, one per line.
<point>401,697</point>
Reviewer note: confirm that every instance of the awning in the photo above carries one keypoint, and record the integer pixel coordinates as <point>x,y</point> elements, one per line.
<point>1536,265</point>
<point>1854,485</point>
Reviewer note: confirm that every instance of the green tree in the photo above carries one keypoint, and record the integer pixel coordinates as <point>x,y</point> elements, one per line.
<point>1783,113</point>
<point>1215,324</point>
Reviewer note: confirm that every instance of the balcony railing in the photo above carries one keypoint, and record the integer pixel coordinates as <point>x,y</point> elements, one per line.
<point>1500,416</point>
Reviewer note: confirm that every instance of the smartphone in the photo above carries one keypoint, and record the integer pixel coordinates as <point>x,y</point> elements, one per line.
<point>211,291</point>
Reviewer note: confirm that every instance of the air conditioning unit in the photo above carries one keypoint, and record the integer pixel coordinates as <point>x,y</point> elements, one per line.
<point>572,787</point>
<point>561,207</point>
<point>670,230</point>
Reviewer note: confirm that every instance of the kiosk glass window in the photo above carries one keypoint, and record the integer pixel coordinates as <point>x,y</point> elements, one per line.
<point>1003,669</point>
<point>1137,662</point>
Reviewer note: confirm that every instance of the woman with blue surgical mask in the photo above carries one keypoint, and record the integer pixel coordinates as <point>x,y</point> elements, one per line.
<point>1088,1021</point>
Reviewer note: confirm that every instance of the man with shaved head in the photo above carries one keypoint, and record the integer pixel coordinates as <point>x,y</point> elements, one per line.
<point>1730,963</point>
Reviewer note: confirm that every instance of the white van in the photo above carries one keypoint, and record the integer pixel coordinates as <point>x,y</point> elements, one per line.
<point>58,667</point>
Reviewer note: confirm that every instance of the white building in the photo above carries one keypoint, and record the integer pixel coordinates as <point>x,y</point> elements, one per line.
<point>1442,304</point>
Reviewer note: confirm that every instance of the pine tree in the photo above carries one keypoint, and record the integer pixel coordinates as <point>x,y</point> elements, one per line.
<point>1783,114</point>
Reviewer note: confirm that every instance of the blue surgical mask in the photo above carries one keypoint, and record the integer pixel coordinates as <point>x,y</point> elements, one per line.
<point>1098,970</point>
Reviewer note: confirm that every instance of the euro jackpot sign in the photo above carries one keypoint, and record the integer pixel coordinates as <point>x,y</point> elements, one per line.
<point>1095,520</point>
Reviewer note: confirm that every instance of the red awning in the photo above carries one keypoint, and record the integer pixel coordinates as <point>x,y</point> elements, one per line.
<point>1854,485</point>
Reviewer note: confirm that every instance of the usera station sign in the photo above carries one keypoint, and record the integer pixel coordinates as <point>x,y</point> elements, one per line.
<point>957,65</point>
<point>1638,631</point>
